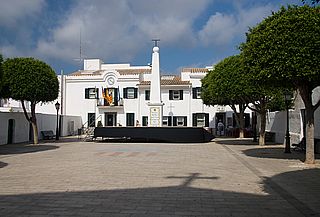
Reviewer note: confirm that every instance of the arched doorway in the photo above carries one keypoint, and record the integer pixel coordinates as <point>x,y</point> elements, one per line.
<point>11,127</point>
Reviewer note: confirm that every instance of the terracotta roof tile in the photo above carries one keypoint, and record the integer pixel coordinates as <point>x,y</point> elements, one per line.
<point>133,71</point>
<point>168,80</point>
<point>86,73</point>
<point>195,70</point>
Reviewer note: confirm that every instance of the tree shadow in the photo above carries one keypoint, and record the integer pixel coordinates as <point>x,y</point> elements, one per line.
<point>235,141</point>
<point>3,164</point>
<point>181,200</point>
<point>276,153</point>
<point>24,148</point>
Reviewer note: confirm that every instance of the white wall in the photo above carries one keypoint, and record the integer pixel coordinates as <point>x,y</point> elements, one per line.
<point>44,121</point>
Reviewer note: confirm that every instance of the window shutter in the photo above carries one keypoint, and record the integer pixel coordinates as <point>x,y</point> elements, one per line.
<point>147,94</point>
<point>125,93</point>
<point>135,93</point>
<point>170,95</point>
<point>174,121</point>
<point>169,121</point>
<point>86,93</point>
<point>144,120</point>
<point>181,94</point>
<point>185,121</point>
<point>194,119</point>
<point>206,120</point>
<point>97,93</point>
<point>115,100</point>
<point>194,93</point>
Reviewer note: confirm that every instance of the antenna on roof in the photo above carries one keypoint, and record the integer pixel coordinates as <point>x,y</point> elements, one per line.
<point>80,59</point>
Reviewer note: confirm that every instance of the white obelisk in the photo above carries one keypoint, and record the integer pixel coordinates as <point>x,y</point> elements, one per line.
<point>155,104</point>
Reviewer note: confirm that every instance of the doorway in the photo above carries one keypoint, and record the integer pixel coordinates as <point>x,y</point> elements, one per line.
<point>11,126</point>
<point>110,119</point>
<point>220,123</point>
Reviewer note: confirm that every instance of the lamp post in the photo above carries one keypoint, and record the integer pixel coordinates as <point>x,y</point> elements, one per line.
<point>287,98</point>
<point>57,105</point>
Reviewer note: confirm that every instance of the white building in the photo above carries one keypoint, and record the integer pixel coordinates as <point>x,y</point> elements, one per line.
<point>118,95</point>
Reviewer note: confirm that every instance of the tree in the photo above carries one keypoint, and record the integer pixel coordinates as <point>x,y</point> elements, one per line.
<point>283,50</point>
<point>29,79</point>
<point>1,73</point>
<point>224,85</point>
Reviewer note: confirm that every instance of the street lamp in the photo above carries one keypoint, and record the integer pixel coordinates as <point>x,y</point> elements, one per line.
<point>57,105</point>
<point>287,98</point>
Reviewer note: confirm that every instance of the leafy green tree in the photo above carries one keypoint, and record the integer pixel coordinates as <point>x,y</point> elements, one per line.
<point>1,73</point>
<point>224,85</point>
<point>229,84</point>
<point>30,80</point>
<point>283,50</point>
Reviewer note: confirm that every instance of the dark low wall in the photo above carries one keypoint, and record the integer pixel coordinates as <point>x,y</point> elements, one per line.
<point>156,134</point>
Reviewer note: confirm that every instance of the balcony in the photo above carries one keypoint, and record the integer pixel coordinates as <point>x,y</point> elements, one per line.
<point>103,103</point>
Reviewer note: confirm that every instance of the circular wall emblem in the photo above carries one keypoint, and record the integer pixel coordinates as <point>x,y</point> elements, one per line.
<point>111,80</point>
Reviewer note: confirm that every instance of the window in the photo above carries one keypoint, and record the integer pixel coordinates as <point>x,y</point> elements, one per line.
<point>147,94</point>
<point>91,93</point>
<point>180,121</point>
<point>175,94</point>
<point>130,93</point>
<point>144,120</point>
<point>130,119</point>
<point>200,120</point>
<point>91,119</point>
<point>166,121</point>
<point>196,93</point>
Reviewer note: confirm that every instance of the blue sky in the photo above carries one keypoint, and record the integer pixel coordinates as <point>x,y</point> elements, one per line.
<point>193,33</point>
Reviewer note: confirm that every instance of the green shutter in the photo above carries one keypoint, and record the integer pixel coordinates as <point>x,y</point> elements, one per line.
<point>185,121</point>
<point>194,119</point>
<point>194,93</point>
<point>86,93</point>
<point>181,94</point>
<point>125,93</point>
<point>170,94</point>
<point>170,121</point>
<point>135,93</point>
<point>206,119</point>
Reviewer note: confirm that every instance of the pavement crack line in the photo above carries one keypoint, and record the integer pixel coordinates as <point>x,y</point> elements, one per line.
<point>296,203</point>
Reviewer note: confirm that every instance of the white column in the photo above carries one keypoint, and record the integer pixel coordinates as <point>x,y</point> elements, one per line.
<point>155,104</point>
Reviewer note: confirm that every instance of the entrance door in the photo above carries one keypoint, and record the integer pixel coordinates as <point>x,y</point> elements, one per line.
<point>10,131</point>
<point>110,119</point>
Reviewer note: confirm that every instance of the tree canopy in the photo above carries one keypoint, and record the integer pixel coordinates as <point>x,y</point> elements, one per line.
<point>284,51</point>
<point>31,80</point>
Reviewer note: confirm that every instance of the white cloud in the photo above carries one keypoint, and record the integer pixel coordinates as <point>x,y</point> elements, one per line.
<point>120,29</point>
<point>12,11</point>
<point>221,28</point>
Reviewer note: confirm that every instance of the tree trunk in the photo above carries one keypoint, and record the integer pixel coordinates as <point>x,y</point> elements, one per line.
<point>239,118</point>
<point>263,120</point>
<point>310,157</point>
<point>241,126</point>
<point>33,120</point>
<point>306,95</point>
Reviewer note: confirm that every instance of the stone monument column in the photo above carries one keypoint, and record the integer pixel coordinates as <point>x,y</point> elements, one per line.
<point>155,105</point>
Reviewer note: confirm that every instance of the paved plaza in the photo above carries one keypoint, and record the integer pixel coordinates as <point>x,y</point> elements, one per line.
<point>221,178</point>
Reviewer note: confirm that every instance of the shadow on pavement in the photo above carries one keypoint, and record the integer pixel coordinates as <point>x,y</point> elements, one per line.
<point>276,153</point>
<point>234,141</point>
<point>180,200</point>
<point>24,148</point>
<point>3,164</point>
